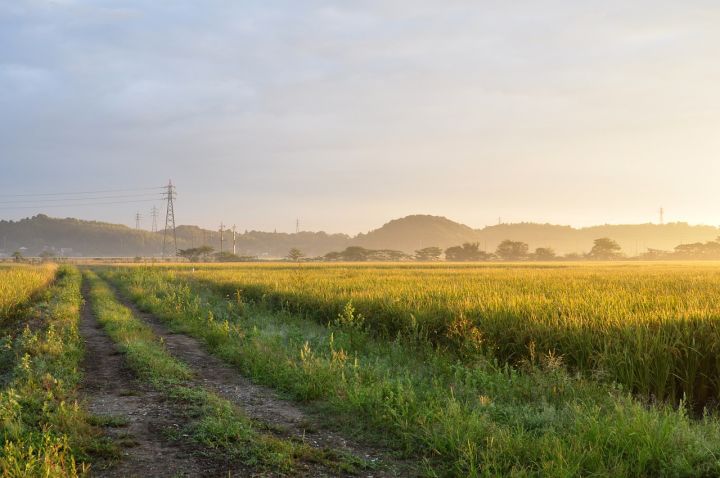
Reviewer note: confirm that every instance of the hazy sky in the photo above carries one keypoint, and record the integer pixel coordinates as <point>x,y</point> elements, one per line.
<point>348,114</point>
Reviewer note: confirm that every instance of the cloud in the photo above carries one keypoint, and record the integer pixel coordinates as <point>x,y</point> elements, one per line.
<point>363,108</point>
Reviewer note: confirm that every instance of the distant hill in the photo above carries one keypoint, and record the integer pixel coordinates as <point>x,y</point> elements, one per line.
<point>74,237</point>
<point>415,232</point>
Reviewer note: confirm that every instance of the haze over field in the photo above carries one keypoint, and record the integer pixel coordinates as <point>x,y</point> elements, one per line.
<point>348,114</point>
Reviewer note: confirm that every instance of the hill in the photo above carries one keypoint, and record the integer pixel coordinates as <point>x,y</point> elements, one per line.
<point>74,237</point>
<point>415,232</point>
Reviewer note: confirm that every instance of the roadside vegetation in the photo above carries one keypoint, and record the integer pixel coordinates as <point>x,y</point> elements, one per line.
<point>43,430</point>
<point>471,369</point>
<point>212,421</point>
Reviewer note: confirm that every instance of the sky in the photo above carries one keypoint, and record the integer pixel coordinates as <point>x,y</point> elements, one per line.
<point>349,114</point>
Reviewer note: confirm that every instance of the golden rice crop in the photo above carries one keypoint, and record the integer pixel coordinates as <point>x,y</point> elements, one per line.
<point>18,283</point>
<point>651,327</point>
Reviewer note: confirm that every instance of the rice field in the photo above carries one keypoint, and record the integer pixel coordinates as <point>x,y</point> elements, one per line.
<point>19,283</point>
<point>653,328</point>
<point>472,370</point>
<point>457,370</point>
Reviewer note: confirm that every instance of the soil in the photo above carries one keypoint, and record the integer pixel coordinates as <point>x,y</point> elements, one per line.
<point>111,391</point>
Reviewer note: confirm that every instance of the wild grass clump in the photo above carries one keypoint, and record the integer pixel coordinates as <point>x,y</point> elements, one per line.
<point>469,415</point>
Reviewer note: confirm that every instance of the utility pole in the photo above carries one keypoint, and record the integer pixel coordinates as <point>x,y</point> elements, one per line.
<point>234,240</point>
<point>137,220</point>
<point>222,228</point>
<point>662,216</point>
<point>169,196</point>
<point>154,214</point>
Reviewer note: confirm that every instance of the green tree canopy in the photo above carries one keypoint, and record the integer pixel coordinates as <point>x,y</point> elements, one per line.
<point>295,254</point>
<point>196,254</point>
<point>544,254</point>
<point>470,251</point>
<point>428,254</point>
<point>512,250</point>
<point>605,248</point>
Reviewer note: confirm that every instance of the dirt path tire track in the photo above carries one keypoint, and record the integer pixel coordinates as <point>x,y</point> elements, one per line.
<point>262,403</point>
<point>110,389</point>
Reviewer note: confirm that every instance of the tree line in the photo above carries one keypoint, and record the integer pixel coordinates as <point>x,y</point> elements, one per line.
<point>604,248</point>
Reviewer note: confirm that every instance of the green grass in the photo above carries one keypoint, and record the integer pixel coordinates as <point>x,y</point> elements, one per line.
<point>468,415</point>
<point>213,421</point>
<point>43,429</point>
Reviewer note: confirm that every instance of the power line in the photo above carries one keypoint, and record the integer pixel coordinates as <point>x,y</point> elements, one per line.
<point>101,191</point>
<point>43,206</point>
<point>53,200</point>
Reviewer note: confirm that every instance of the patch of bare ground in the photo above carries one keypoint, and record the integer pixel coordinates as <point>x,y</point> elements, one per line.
<point>134,416</point>
<point>262,404</point>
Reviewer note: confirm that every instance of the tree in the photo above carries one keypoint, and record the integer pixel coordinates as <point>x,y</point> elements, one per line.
<point>196,253</point>
<point>226,256</point>
<point>512,250</point>
<point>699,250</point>
<point>428,254</point>
<point>605,248</point>
<point>386,255</point>
<point>470,251</point>
<point>295,254</point>
<point>544,254</point>
<point>355,254</point>
<point>333,256</point>
<point>17,256</point>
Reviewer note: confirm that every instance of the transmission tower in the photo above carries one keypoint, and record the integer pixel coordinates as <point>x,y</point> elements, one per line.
<point>154,214</point>
<point>222,228</point>
<point>137,220</point>
<point>169,196</point>
<point>662,216</point>
<point>297,225</point>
